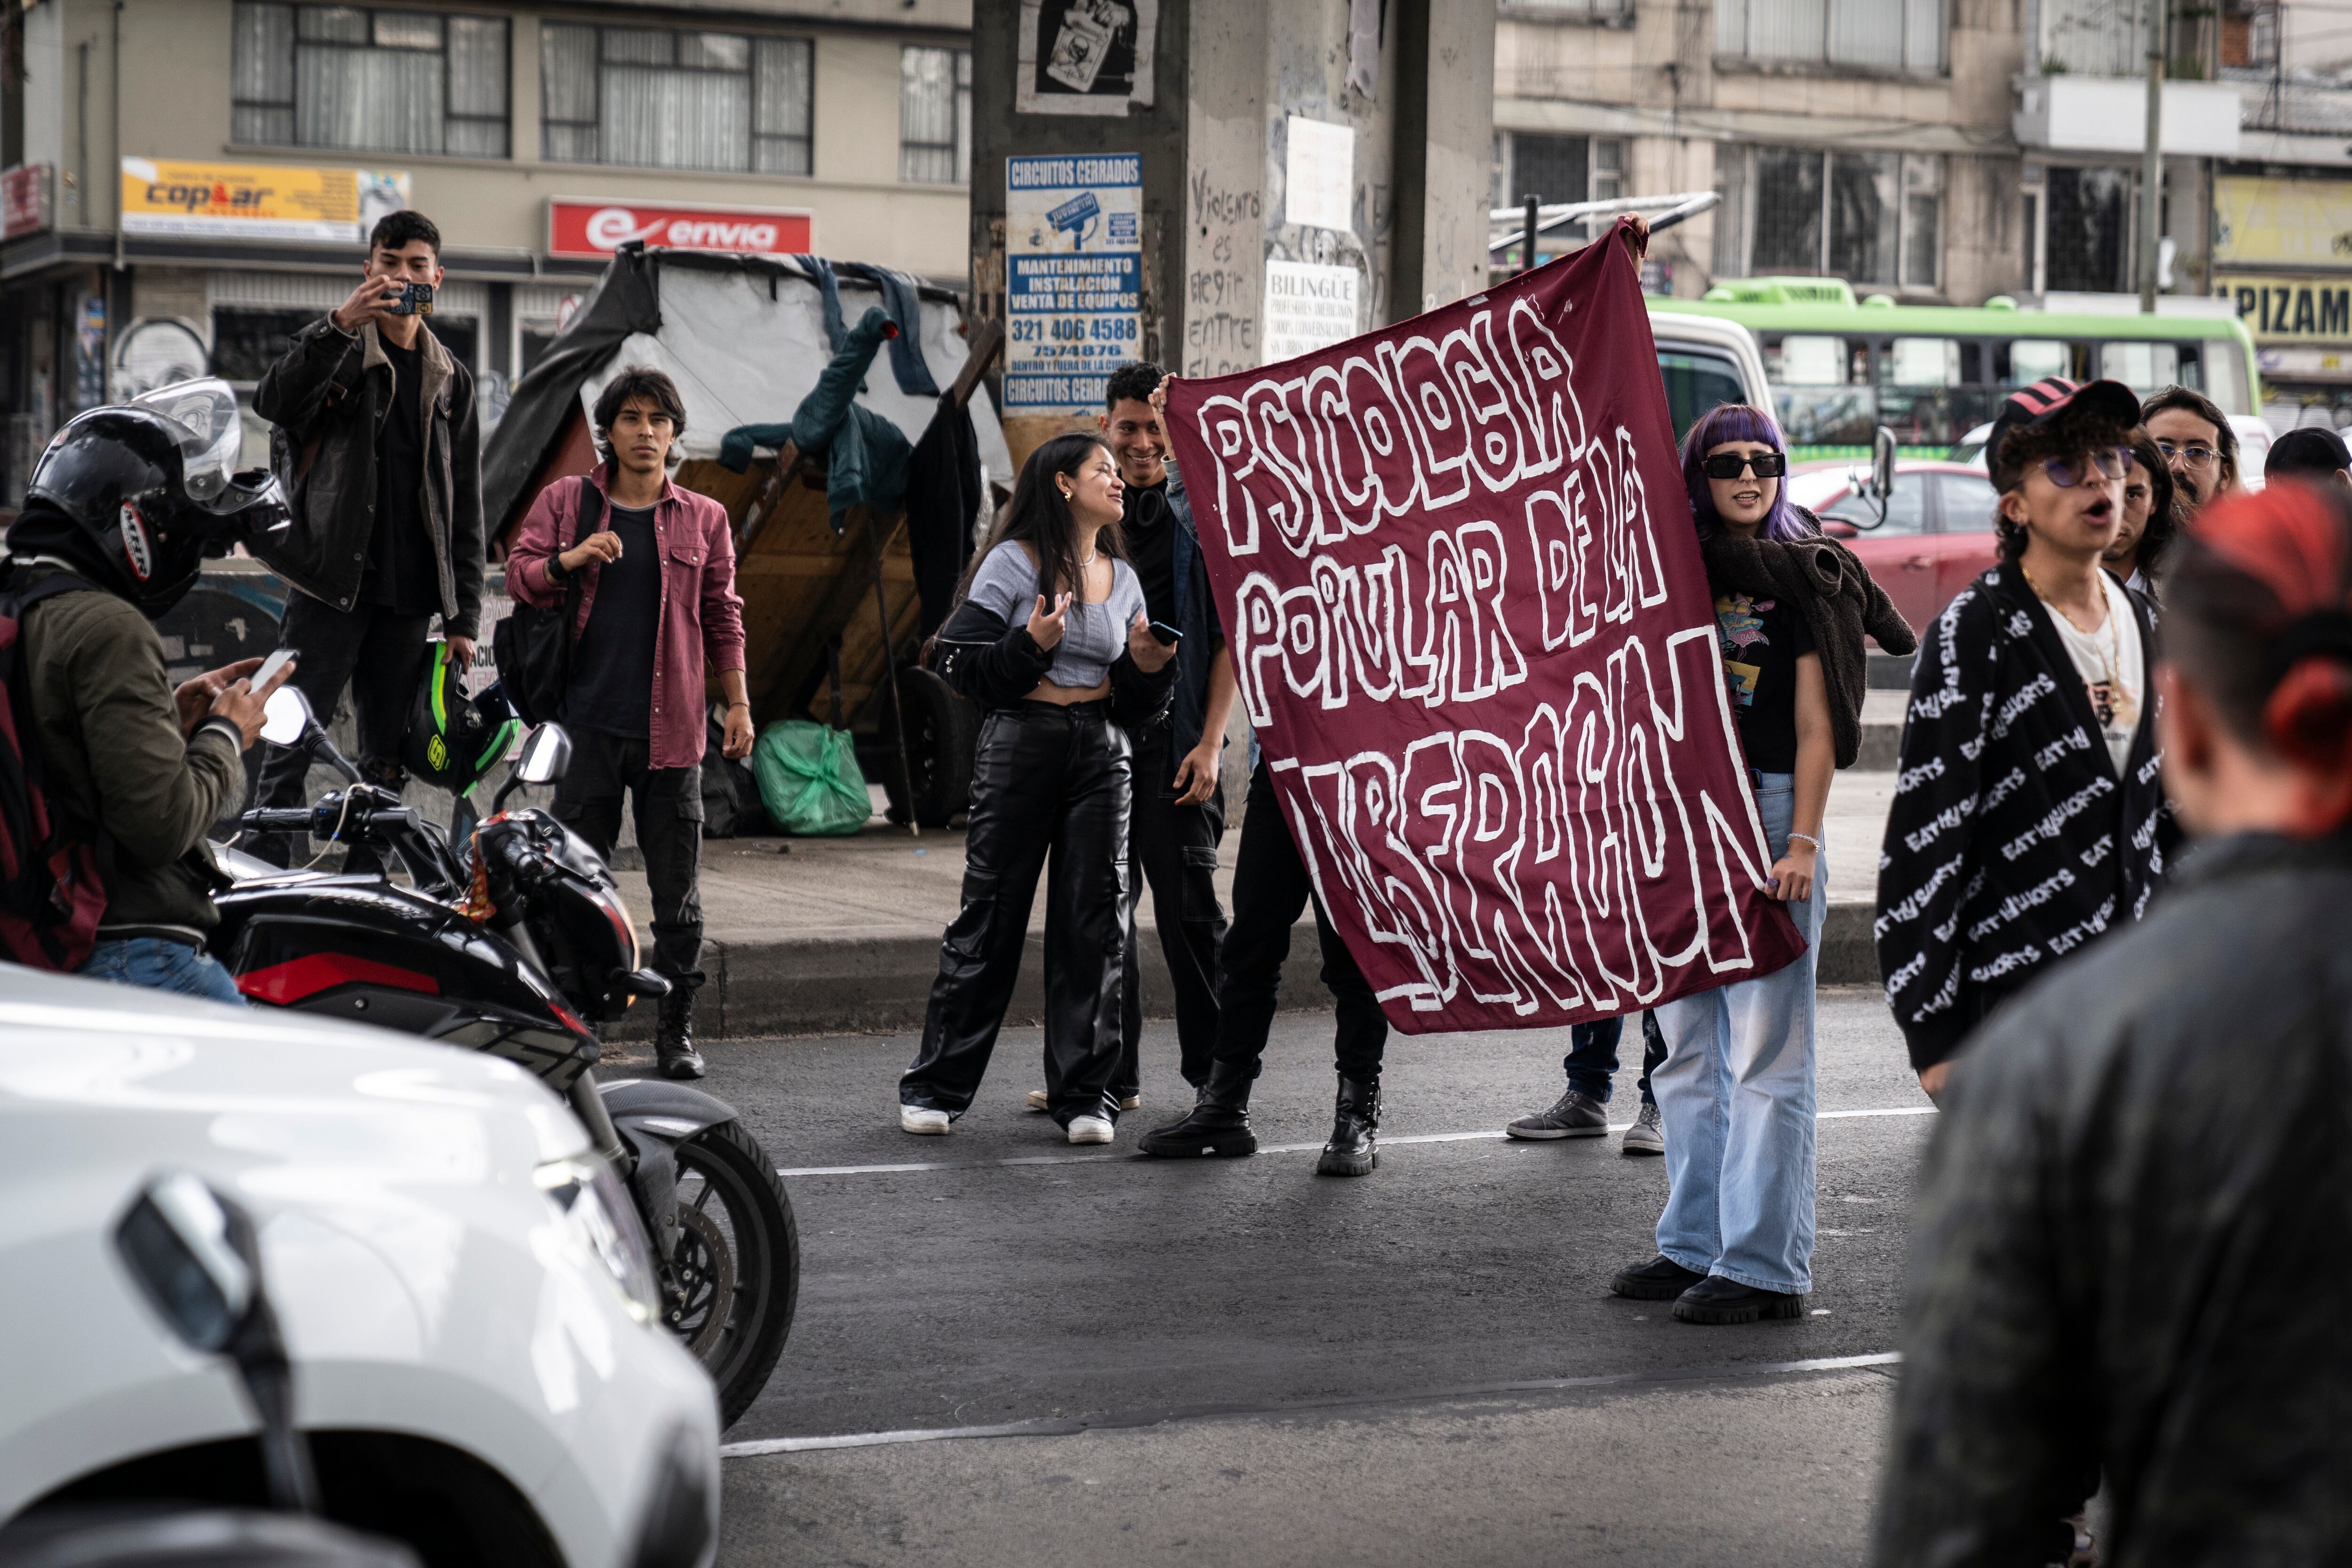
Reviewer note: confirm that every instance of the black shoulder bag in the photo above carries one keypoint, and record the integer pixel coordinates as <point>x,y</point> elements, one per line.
<point>533,646</point>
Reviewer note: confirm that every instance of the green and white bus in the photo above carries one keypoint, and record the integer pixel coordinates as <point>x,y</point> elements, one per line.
<point>1838,368</point>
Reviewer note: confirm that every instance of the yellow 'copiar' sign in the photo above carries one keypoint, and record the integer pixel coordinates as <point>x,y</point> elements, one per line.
<point>259,201</point>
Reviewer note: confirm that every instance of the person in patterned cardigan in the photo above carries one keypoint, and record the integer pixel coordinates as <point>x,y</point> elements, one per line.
<point>2029,817</point>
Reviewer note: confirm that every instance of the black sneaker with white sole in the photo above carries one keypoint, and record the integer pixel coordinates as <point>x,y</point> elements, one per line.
<point>1575,1114</point>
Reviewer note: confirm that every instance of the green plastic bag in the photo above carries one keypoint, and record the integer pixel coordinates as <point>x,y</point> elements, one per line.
<point>809,779</point>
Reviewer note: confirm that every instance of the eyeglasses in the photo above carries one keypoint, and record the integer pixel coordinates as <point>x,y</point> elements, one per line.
<point>2195,454</point>
<point>2068,472</point>
<point>1729,464</point>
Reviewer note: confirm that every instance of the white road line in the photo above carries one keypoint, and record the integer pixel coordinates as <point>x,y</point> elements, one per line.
<point>799,1171</point>
<point>1071,1426</point>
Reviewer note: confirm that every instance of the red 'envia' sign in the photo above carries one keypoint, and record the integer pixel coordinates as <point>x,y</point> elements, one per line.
<point>596,229</point>
<point>1457,571</point>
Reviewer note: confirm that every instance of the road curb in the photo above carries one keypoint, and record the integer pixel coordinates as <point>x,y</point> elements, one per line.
<point>815,986</point>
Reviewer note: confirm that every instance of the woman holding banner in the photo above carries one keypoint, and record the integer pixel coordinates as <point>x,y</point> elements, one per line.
<point>1051,639</point>
<point>1736,1090</point>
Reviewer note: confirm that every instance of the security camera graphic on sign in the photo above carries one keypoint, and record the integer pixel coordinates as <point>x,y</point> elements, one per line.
<point>1076,217</point>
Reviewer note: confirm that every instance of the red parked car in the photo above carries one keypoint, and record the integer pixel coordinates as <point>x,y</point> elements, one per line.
<point>1937,536</point>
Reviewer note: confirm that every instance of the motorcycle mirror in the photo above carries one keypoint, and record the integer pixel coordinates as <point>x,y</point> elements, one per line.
<point>181,1247</point>
<point>285,717</point>
<point>545,755</point>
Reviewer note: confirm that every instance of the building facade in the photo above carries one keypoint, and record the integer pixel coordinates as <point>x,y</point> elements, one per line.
<point>188,180</point>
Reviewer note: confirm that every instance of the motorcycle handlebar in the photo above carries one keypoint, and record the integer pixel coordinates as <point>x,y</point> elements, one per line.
<point>278,819</point>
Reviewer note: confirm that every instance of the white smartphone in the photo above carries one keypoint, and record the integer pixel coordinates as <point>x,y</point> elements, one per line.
<point>269,669</point>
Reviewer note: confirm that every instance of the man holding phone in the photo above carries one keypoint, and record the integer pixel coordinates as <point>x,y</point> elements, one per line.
<point>377,445</point>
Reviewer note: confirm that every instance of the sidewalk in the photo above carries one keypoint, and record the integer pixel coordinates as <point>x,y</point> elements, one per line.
<point>835,935</point>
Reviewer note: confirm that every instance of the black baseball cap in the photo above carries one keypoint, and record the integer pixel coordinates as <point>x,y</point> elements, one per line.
<point>2046,399</point>
<point>2314,451</point>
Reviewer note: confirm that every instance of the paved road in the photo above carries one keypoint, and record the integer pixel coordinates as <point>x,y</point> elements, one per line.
<point>1336,1355</point>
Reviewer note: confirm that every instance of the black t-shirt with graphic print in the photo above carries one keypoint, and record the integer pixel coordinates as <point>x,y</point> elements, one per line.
<point>1761,641</point>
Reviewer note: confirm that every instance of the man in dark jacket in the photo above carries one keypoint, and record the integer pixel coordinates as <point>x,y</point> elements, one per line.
<point>2027,817</point>
<point>2131,1245</point>
<point>383,460</point>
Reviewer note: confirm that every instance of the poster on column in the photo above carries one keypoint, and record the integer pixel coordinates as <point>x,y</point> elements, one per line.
<point>1457,567</point>
<point>1073,278</point>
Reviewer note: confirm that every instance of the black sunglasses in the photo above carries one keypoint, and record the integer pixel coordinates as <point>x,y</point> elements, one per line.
<point>1728,465</point>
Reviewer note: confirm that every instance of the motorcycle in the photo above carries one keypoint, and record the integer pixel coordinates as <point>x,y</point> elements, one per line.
<point>521,945</point>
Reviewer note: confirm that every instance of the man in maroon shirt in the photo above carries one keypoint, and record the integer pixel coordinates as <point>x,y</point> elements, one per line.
<point>656,571</point>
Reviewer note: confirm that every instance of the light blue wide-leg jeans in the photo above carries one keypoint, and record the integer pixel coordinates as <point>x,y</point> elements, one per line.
<point>1736,1094</point>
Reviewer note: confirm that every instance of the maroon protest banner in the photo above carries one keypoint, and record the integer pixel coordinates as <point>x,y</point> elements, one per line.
<point>1455,566</point>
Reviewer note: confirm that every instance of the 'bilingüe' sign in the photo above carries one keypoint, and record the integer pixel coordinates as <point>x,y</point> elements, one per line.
<point>1457,570</point>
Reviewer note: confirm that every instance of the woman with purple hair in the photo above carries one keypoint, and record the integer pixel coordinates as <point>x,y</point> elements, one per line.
<point>1736,1090</point>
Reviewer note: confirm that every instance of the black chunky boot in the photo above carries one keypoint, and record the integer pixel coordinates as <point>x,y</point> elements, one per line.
<point>1218,1122</point>
<point>1355,1119</point>
<point>674,1052</point>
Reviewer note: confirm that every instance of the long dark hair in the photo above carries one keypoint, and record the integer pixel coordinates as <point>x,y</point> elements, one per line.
<point>1739,422</point>
<point>2163,522</point>
<point>1039,516</point>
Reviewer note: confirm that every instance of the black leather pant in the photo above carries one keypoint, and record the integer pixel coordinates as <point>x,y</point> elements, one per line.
<point>668,804</point>
<point>1270,887</point>
<point>1046,777</point>
<point>1174,848</point>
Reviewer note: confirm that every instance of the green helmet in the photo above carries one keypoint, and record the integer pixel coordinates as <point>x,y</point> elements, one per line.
<point>453,739</point>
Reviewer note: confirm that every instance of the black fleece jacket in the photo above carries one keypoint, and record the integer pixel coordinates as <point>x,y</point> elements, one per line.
<point>2012,841</point>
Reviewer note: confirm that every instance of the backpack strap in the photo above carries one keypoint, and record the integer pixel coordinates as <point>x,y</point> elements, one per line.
<point>591,510</point>
<point>50,587</point>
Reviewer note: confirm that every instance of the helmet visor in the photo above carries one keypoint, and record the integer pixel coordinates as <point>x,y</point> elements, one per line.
<point>204,420</point>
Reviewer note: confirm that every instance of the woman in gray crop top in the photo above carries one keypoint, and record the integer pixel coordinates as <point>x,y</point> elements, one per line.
<point>1052,641</point>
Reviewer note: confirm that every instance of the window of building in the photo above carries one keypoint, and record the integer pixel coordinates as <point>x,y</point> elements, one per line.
<point>1878,35</point>
<point>1873,218</point>
<point>368,81</point>
<point>657,98</point>
<point>935,116</point>
<point>1557,170</point>
<point>2088,217</point>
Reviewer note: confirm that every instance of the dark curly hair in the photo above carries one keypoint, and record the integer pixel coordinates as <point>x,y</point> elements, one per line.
<point>395,231</point>
<point>2071,434</point>
<point>2163,522</point>
<point>1138,379</point>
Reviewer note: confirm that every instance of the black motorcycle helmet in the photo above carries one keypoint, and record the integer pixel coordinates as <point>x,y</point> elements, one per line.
<point>149,489</point>
<point>453,739</point>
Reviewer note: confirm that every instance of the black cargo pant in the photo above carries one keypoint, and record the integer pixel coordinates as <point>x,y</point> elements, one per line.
<point>1174,848</point>
<point>381,657</point>
<point>1270,887</point>
<point>1048,777</point>
<point>667,804</point>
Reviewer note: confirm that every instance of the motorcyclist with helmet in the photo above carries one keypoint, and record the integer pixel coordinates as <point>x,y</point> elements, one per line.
<point>123,507</point>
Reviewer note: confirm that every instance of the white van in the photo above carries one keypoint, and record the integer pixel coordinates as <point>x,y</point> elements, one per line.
<point>1707,361</point>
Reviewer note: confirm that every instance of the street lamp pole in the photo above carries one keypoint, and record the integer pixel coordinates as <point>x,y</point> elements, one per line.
<point>2152,169</point>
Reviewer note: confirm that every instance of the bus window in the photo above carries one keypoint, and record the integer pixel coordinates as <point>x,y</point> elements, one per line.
<point>2143,367</point>
<point>1922,362</point>
<point>2225,377</point>
<point>1697,382</point>
<point>1798,361</point>
<point>2031,358</point>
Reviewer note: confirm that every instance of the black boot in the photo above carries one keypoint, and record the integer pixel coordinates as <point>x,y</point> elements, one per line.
<point>1354,1120</point>
<point>674,1052</point>
<point>1218,1122</point>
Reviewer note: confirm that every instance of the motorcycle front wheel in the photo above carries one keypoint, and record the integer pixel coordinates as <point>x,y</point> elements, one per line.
<point>736,1270</point>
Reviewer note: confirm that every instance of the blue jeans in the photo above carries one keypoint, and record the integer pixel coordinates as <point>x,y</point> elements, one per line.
<point>1592,1060</point>
<point>1736,1095</point>
<point>161,966</point>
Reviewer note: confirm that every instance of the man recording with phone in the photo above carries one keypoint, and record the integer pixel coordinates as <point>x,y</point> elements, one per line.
<point>377,445</point>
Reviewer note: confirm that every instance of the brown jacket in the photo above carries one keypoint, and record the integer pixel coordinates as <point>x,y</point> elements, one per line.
<point>107,734</point>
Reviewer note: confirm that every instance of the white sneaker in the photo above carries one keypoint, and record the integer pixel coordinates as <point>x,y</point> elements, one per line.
<point>923,1122</point>
<point>1089,1130</point>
